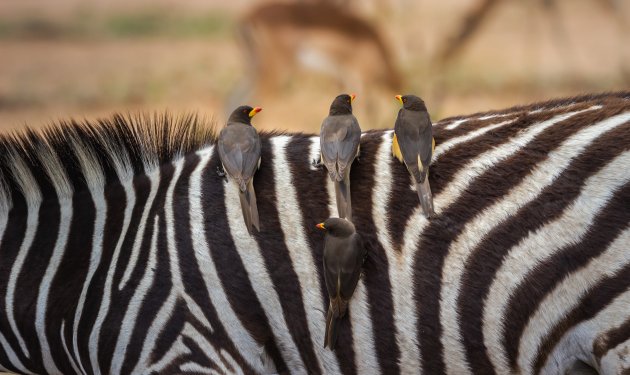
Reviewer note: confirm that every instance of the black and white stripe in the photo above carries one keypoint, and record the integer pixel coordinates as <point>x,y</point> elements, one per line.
<point>122,250</point>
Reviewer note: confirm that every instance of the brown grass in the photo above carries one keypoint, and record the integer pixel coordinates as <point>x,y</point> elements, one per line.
<point>88,61</point>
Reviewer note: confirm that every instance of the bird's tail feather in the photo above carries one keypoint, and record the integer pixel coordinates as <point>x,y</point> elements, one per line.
<point>332,326</point>
<point>344,202</point>
<point>426,198</point>
<point>249,207</point>
<point>253,206</point>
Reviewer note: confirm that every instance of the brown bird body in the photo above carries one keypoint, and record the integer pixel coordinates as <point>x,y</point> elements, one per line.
<point>413,145</point>
<point>239,150</point>
<point>340,136</point>
<point>344,255</point>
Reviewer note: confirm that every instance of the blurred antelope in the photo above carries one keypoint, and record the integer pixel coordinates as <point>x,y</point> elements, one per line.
<point>283,39</point>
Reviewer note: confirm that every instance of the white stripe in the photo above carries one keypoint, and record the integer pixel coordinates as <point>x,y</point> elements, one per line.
<point>177,289</point>
<point>65,349</point>
<point>241,338</point>
<point>16,269</point>
<point>404,314</point>
<point>206,347</point>
<point>259,278</point>
<point>13,358</point>
<point>617,359</point>
<point>96,251</point>
<point>197,369</point>
<point>443,147</point>
<point>154,177</point>
<point>577,342</point>
<point>460,182</point>
<point>538,246</point>
<point>178,349</point>
<point>568,294</point>
<point>65,220</point>
<point>107,291</point>
<point>360,318</point>
<point>455,124</point>
<point>131,315</point>
<point>32,195</point>
<point>528,189</point>
<point>228,358</point>
<point>292,225</point>
<point>488,117</point>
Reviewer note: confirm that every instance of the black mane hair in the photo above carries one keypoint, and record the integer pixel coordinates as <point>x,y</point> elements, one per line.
<point>140,140</point>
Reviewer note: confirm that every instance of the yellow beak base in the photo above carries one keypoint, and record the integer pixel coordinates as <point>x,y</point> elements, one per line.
<point>254,111</point>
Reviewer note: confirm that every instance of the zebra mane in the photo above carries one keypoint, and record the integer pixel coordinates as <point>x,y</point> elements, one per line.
<point>74,155</point>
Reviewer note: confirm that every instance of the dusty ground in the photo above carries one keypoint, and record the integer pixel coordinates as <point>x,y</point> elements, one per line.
<point>71,60</point>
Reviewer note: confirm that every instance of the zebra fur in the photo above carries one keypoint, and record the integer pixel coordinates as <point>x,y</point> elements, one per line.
<point>524,269</point>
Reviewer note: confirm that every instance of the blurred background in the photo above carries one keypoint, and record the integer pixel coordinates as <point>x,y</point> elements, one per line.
<point>88,59</point>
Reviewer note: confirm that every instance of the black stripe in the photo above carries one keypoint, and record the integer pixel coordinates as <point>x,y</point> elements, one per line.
<point>190,271</point>
<point>229,265</point>
<point>312,197</point>
<point>161,287</point>
<point>445,228</point>
<point>75,262</point>
<point>611,339</point>
<point>109,334</point>
<point>526,299</point>
<point>275,253</point>
<point>486,258</point>
<point>30,278</point>
<point>12,239</point>
<point>110,330</point>
<point>598,297</point>
<point>376,268</point>
<point>116,203</point>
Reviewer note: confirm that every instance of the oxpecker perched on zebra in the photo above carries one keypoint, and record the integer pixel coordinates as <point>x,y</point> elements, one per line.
<point>344,254</point>
<point>340,136</point>
<point>239,150</point>
<point>413,145</point>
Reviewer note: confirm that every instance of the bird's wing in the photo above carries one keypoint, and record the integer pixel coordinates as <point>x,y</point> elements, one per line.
<point>351,266</point>
<point>330,274</point>
<point>339,138</point>
<point>239,149</point>
<point>426,139</point>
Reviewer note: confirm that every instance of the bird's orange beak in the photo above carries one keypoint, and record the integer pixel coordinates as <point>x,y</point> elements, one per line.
<point>352,97</point>
<point>253,112</point>
<point>321,226</point>
<point>399,98</point>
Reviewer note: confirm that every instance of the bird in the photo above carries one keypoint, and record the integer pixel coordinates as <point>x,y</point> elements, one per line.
<point>339,137</point>
<point>413,144</point>
<point>239,150</point>
<point>344,255</point>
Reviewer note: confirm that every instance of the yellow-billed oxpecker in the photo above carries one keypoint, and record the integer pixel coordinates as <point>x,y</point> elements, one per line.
<point>344,255</point>
<point>413,145</point>
<point>340,136</point>
<point>239,150</point>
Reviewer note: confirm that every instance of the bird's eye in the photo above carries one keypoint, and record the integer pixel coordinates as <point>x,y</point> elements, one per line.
<point>244,111</point>
<point>404,100</point>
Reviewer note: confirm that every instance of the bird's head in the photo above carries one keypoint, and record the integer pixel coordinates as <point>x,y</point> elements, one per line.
<point>243,114</point>
<point>411,102</point>
<point>337,227</point>
<point>342,105</point>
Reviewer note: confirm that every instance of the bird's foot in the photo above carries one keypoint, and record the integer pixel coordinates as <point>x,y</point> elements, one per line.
<point>221,173</point>
<point>316,163</point>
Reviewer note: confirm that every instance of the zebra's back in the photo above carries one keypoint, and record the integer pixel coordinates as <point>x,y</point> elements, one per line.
<point>116,265</point>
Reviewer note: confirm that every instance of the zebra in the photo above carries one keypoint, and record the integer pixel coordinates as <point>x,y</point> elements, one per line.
<point>123,251</point>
